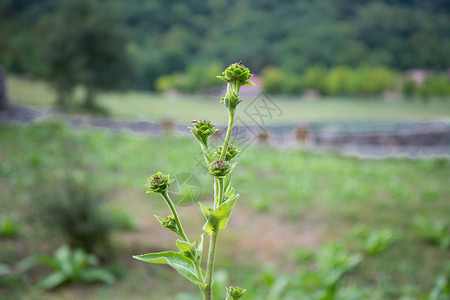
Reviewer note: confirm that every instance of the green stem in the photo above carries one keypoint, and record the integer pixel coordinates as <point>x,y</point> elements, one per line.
<point>211,258</point>
<point>175,215</point>
<point>218,182</point>
<point>228,136</point>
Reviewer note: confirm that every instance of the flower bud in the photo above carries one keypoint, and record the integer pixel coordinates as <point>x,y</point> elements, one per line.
<point>235,292</point>
<point>158,183</point>
<point>202,129</point>
<point>237,73</point>
<point>230,99</point>
<point>232,151</point>
<point>219,168</point>
<point>168,223</point>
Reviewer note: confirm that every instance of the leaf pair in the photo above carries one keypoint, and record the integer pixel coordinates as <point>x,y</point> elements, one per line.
<point>190,251</point>
<point>217,220</point>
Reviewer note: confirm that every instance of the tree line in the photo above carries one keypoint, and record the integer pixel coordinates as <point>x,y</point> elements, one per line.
<point>113,44</point>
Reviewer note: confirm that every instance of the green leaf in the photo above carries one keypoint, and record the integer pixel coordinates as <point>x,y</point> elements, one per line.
<point>53,280</point>
<point>218,219</point>
<point>185,246</point>
<point>178,261</point>
<point>97,275</point>
<point>200,249</point>
<point>206,212</point>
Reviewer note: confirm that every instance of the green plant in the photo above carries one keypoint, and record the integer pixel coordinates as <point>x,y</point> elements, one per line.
<point>374,241</point>
<point>434,231</point>
<point>9,227</point>
<point>68,266</point>
<point>441,289</point>
<point>74,210</point>
<point>188,260</point>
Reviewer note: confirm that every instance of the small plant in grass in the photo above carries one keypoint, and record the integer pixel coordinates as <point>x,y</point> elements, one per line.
<point>434,231</point>
<point>188,260</point>
<point>9,228</point>
<point>68,266</point>
<point>374,241</point>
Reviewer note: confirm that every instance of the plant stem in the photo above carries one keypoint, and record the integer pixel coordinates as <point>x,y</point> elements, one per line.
<point>175,215</point>
<point>213,239</point>
<point>228,136</point>
<point>211,257</point>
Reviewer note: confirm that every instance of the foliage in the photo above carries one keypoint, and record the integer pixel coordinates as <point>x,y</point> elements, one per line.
<point>9,227</point>
<point>167,37</point>
<point>196,79</point>
<point>90,53</point>
<point>436,85</point>
<point>441,290</point>
<point>68,265</point>
<point>75,209</point>
<point>434,231</point>
<point>278,81</point>
<point>374,241</point>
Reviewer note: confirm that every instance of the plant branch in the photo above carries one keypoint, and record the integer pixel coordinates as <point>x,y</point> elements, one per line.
<point>175,215</point>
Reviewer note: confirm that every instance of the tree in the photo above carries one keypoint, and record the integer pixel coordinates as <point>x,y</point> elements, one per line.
<point>83,46</point>
<point>5,104</point>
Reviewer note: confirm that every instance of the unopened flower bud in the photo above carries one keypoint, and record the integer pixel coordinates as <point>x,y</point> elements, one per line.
<point>237,73</point>
<point>202,129</point>
<point>235,292</point>
<point>232,151</point>
<point>158,183</point>
<point>219,168</point>
<point>168,223</point>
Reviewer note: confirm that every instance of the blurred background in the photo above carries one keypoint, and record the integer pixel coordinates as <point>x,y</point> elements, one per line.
<point>344,173</point>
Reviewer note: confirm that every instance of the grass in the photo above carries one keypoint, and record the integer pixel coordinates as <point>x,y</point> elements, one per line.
<point>134,104</point>
<point>290,200</point>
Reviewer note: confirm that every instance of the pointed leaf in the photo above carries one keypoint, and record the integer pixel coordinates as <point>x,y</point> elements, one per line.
<point>178,261</point>
<point>97,275</point>
<point>52,281</point>
<point>200,249</point>
<point>218,219</point>
<point>185,246</point>
<point>205,211</point>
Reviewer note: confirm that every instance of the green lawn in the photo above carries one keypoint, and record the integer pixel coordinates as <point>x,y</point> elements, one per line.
<point>133,104</point>
<point>291,201</point>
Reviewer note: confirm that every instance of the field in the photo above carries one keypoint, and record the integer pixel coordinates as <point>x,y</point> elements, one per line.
<point>183,108</point>
<point>293,204</point>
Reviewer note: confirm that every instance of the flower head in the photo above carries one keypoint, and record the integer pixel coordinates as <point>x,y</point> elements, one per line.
<point>237,73</point>
<point>232,151</point>
<point>202,129</point>
<point>235,292</point>
<point>158,183</point>
<point>219,168</point>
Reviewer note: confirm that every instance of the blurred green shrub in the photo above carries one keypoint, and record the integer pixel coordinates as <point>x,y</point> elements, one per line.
<point>314,78</point>
<point>434,231</point>
<point>435,85</point>
<point>278,81</point>
<point>338,81</point>
<point>9,227</point>
<point>120,218</point>
<point>197,78</point>
<point>73,209</point>
<point>68,266</point>
<point>410,88</point>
